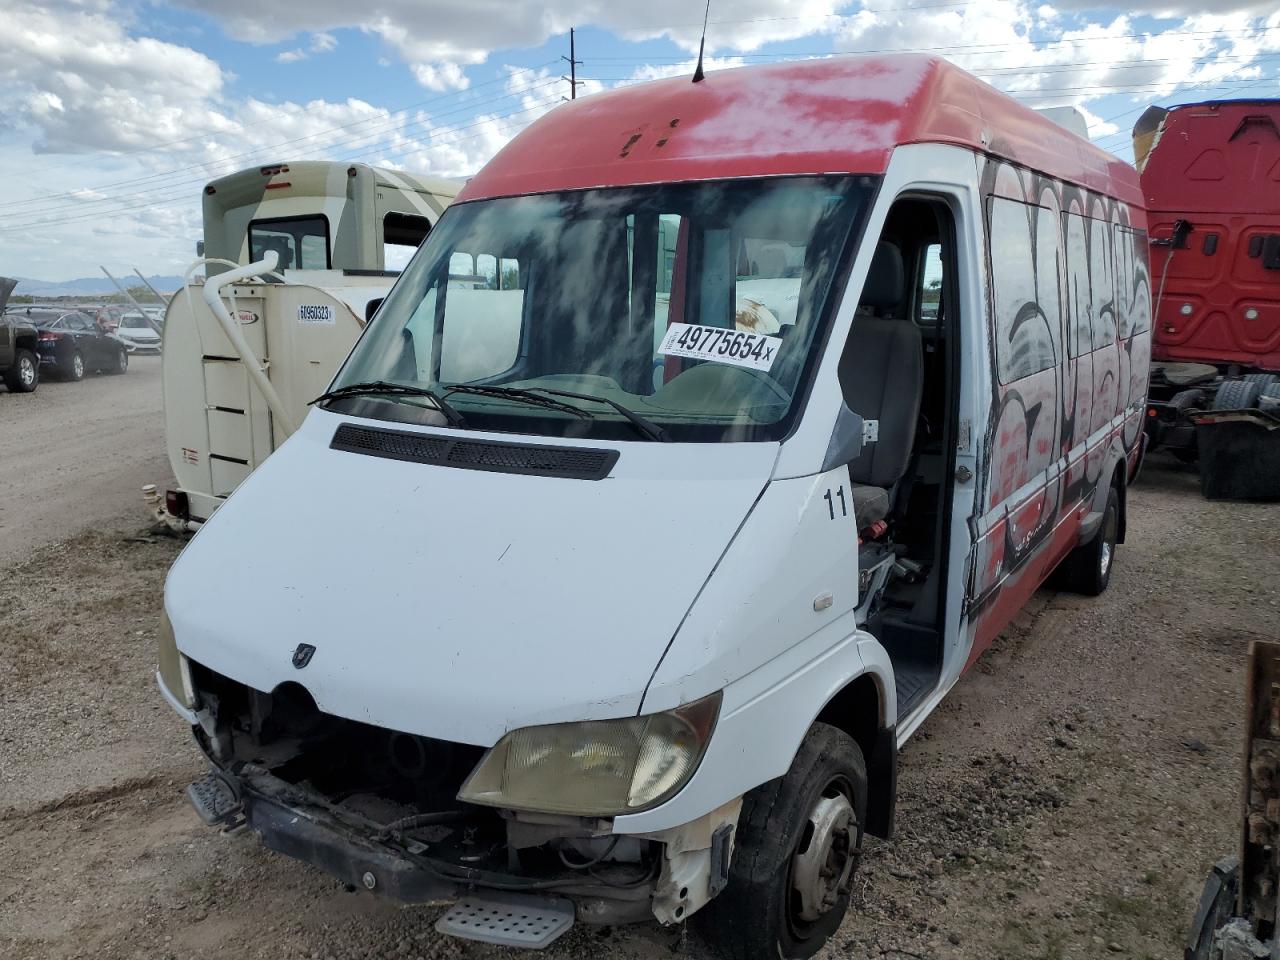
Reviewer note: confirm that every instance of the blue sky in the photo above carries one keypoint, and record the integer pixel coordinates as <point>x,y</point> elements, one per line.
<point>117,111</point>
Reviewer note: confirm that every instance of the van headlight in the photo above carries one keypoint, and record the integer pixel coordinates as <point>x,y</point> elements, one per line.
<point>172,665</point>
<point>595,768</point>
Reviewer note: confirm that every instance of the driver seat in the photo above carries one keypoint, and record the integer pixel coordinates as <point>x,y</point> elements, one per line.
<point>882,375</point>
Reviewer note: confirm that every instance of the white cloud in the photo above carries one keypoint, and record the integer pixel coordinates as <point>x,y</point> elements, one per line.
<point>467,31</point>
<point>74,72</point>
<point>320,43</point>
<point>446,76</point>
<point>651,71</point>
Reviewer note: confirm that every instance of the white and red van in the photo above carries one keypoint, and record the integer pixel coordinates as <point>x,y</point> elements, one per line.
<point>710,437</point>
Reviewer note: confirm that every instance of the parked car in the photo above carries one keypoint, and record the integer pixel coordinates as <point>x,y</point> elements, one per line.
<point>70,344</point>
<point>138,334</point>
<point>19,366</point>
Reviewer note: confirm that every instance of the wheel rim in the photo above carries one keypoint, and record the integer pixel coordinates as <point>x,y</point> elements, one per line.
<point>26,371</point>
<point>823,863</point>
<point>124,361</point>
<point>1108,543</point>
<point>77,366</point>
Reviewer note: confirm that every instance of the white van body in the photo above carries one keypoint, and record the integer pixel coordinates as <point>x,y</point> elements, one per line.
<point>398,574</point>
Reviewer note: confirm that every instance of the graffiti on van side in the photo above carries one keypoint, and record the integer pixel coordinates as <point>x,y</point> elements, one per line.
<point>1069,317</point>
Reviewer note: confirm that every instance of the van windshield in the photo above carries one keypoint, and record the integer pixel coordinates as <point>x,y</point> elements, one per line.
<point>696,306</point>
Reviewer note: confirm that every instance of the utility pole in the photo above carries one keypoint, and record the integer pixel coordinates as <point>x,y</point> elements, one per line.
<point>574,63</point>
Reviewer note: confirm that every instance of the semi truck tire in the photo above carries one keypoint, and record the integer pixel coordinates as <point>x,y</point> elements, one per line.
<point>1237,395</point>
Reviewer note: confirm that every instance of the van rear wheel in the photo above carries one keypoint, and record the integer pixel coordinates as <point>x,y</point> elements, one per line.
<point>797,847</point>
<point>1087,569</point>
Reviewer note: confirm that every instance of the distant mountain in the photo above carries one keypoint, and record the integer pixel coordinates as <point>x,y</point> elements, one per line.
<point>89,286</point>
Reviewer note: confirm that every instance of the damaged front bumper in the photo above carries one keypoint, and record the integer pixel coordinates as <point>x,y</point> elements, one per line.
<point>688,865</point>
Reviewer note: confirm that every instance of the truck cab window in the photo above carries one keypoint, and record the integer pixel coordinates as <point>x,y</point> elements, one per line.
<point>301,243</point>
<point>402,234</point>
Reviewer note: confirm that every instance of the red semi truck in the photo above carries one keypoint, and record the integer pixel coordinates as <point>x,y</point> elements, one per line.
<point>1210,175</point>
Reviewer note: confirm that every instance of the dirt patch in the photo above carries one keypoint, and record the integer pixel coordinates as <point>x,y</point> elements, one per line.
<point>1065,801</point>
<point>75,454</point>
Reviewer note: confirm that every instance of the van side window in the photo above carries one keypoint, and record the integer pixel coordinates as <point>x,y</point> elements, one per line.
<point>1102,284</point>
<point>1024,337</point>
<point>1080,333</point>
<point>1132,308</point>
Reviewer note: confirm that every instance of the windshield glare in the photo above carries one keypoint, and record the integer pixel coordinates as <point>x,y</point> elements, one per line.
<point>697,306</point>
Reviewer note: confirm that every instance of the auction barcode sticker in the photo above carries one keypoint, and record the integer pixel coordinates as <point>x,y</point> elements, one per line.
<point>316,313</point>
<point>721,344</point>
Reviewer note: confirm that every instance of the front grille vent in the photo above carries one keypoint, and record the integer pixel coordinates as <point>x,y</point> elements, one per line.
<point>575,463</point>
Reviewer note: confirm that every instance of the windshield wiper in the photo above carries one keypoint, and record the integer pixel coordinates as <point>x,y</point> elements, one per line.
<point>646,427</point>
<point>519,394</point>
<point>388,389</point>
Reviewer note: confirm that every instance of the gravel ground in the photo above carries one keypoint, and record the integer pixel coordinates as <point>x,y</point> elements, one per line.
<point>75,454</point>
<point>1065,802</point>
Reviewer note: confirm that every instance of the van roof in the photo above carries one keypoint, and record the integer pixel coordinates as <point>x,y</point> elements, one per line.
<point>836,115</point>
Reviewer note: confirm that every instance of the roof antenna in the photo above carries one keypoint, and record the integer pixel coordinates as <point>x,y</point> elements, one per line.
<point>698,75</point>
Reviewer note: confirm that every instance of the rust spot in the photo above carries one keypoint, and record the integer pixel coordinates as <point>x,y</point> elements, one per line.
<point>626,147</point>
<point>661,143</point>
<point>675,122</point>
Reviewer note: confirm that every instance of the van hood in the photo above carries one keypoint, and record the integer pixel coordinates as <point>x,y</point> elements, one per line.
<point>456,603</point>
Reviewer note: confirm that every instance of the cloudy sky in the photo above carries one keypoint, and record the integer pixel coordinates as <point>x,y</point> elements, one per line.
<point>114,113</point>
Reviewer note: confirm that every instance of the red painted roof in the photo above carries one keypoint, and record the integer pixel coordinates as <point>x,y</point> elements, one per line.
<point>838,115</point>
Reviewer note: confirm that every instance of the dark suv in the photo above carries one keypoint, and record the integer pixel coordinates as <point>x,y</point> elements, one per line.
<point>19,360</point>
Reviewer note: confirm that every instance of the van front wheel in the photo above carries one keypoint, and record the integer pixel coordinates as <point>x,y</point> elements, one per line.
<point>798,843</point>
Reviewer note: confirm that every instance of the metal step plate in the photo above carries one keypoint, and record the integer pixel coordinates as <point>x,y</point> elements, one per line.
<point>509,919</point>
<point>213,800</point>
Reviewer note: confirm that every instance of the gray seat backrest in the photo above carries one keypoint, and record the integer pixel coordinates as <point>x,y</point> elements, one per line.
<point>882,373</point>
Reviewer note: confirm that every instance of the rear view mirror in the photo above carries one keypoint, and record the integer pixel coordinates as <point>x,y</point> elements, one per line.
<point>371,308</point>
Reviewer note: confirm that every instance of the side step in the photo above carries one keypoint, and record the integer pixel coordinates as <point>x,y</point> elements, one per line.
<point>508,919</point>
<point>215,802</point>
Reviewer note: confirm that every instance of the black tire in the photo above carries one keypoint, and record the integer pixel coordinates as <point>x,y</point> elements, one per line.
<point>24,375</point>
<point>1265,379</point>
<point>1237,395</point>
<point>760,914</point>
<point>122,363</point>
<point>1087,568</point>
<point>74,369</point>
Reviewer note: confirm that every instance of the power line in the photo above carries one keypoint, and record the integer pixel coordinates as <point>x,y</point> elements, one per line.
<point>984,47</point>
<point>386,125</point>
<point>268,147</point>
<point>445,137</point>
